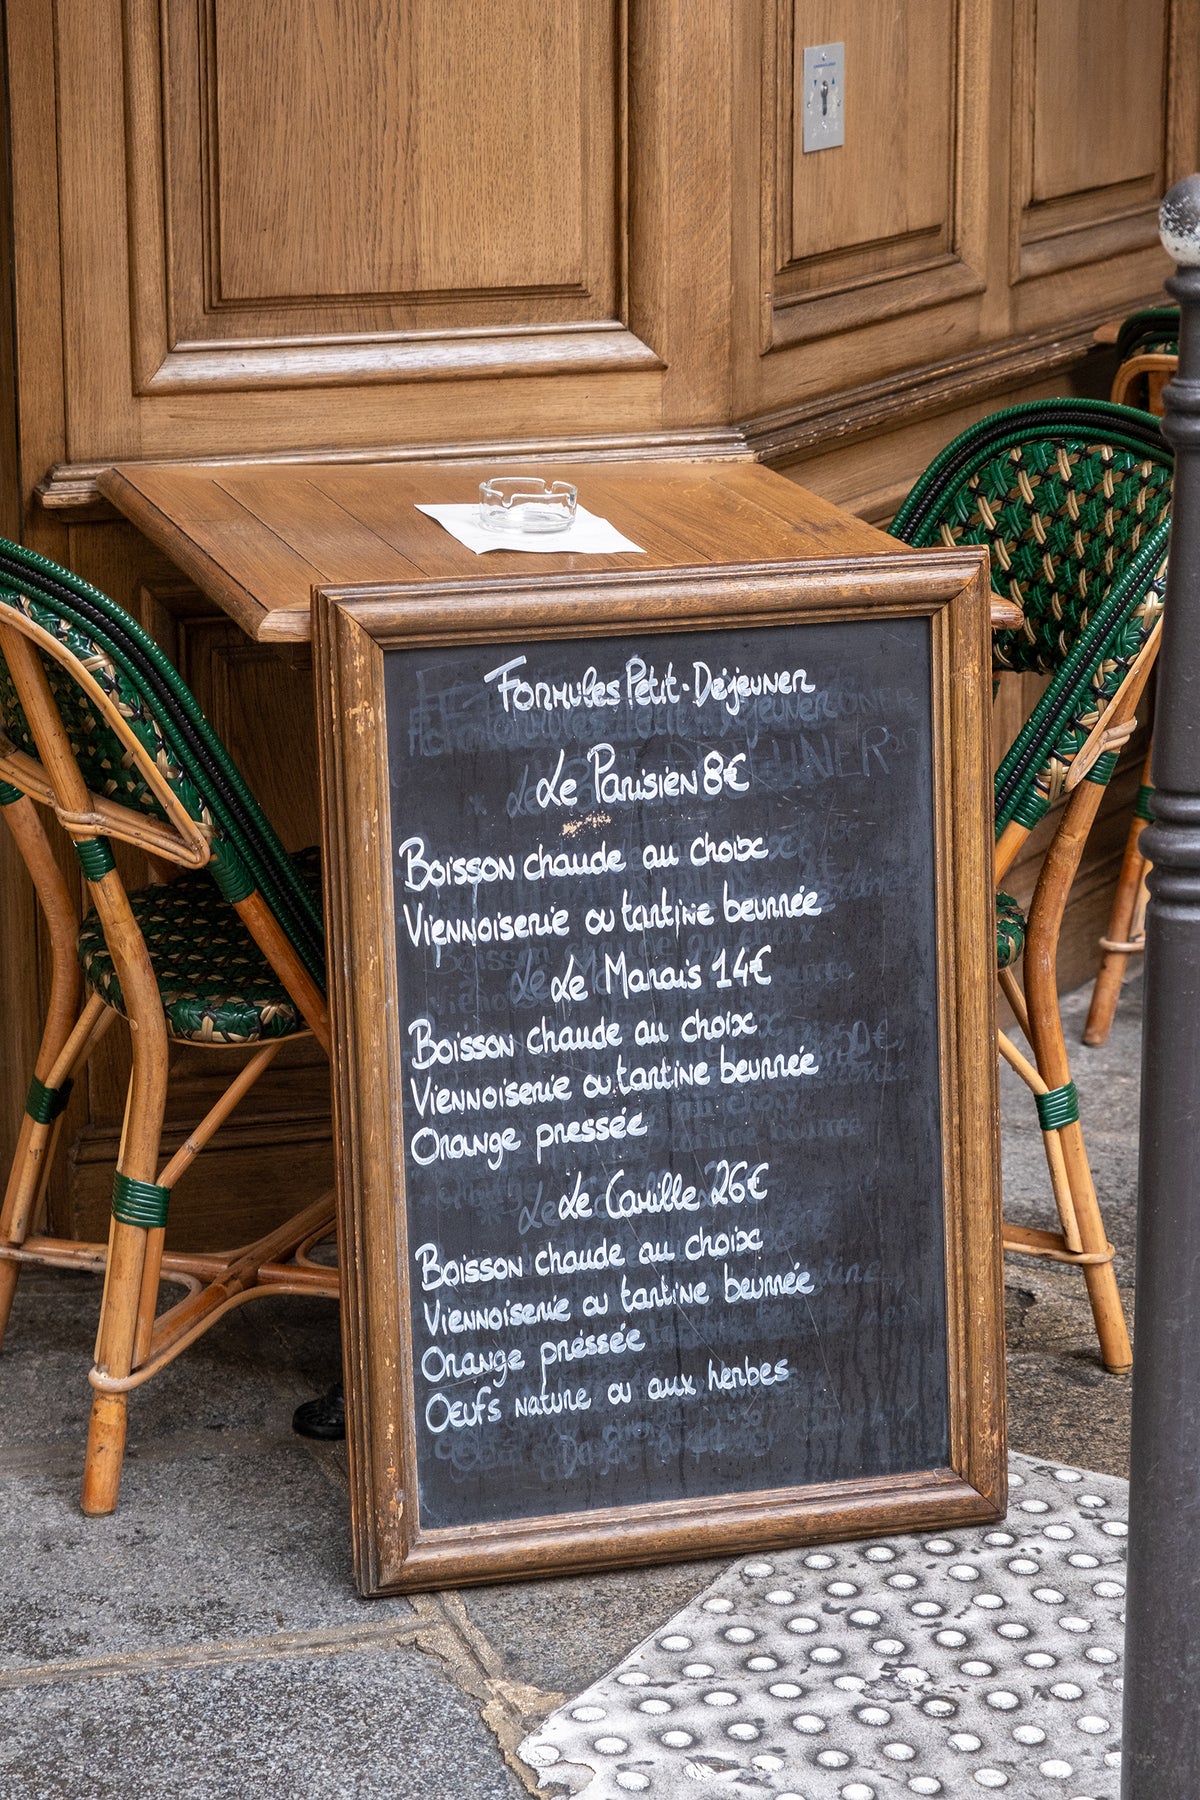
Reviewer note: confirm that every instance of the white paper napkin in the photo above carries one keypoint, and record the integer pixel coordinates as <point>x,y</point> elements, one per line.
<point>586,536</point>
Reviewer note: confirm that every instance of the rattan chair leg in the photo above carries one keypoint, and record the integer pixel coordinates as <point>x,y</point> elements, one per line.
<point>148,1292</point>
<point>62,920</point>
<point>1055,1161</point>
<point>1050,1054</point>
<point>1126,926</point>
<point>36,1139</point>
<point>1108,1314</point>
<point>1010,987</point>
<point>212,1121</point>
<point>31,1163</point>
<point>1008,847</point>
<point>267,933</point>
<point>9,1274</point>
<point>34,1155</point>
<point>116,1338</point>
<point>106,1428</point>
<point>269,1266</point>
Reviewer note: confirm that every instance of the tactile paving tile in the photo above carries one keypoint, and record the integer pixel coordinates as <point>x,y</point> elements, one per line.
<point>943,1664</point>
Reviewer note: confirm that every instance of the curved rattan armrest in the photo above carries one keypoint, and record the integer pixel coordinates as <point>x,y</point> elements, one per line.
<point>104,817</point>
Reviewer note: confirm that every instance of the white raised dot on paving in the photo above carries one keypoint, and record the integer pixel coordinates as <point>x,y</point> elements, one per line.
<point>982,1659</point>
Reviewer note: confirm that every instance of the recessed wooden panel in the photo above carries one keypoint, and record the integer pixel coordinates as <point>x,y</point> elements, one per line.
<point>1098,94</point>
<point>1091,109</point>
<point>326,192</point>
<point>259,700</point>
<point>405,205</point>
<point>875,226</point>
<point>892,177</point>
<point>223,1199</point>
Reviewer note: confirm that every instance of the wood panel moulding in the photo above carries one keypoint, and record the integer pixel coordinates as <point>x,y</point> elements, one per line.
<point>1068,359</point>
<point>302,214</point>
<point>894,219</point>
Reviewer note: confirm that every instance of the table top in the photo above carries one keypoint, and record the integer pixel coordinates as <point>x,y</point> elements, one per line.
<point>258,537</point>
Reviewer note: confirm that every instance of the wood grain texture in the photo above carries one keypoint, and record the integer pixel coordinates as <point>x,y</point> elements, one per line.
<point>267,227</point>
<point>997,373</point>
<point>495,244</point>
<point>897,180</point>
<point>392,1551</point>
<point>408,208</point>
<point>1095,61</point>
<point>238,532</point>
<point>1082,190</point>
<point>889,222</point>
<point>257,539</point>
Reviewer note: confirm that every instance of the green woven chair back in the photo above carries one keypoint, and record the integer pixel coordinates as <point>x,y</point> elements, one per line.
<point>1072,499</point>
<point>170,728</point>
<point>108,766</point>
<point>1153,330</point>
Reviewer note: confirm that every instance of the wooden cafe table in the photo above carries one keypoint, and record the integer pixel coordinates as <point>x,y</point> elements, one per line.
<point>258,537</point>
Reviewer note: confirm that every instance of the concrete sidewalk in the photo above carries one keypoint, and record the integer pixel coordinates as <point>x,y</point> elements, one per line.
<point>206,1640</point>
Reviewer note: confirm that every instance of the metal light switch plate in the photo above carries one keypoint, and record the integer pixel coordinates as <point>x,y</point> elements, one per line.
<point>824,92</point>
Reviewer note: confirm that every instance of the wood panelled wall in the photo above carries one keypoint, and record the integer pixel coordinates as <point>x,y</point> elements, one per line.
<point>396,226</point>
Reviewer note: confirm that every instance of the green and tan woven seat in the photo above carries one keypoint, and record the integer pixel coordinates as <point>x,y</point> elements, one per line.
<point>98,732</point>
<point>215,984</point>
<point>1072,499</point>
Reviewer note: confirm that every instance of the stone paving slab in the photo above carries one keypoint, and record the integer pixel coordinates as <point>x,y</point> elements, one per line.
<point>556,1635</point>
<point>384,1725</point>
<point>980,1660</point>
<point>201,1548</point>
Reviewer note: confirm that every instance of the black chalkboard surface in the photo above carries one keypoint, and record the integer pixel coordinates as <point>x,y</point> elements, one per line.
<point>671,955</point>
<point>669,1043</point>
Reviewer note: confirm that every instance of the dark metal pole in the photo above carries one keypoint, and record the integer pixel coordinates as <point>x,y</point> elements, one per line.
<point>1161,1742</point>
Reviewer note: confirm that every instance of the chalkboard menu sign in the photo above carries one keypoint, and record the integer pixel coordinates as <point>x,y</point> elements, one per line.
<point>662,1012</point>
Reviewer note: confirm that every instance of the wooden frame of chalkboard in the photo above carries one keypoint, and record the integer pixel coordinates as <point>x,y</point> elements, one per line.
<point>834,1369</point>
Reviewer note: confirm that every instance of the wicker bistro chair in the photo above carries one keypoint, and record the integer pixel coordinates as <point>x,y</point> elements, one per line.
<point>97,728</point>
<point>1148,346</point>
<point>1147,352</point>
<point>1072,499</point>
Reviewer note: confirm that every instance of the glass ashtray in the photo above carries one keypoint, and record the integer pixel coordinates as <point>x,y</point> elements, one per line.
<point>516,503</point>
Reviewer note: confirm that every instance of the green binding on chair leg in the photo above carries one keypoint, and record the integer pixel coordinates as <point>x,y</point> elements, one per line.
<point>1143,806</point>
<point>230,873</point>
<point>95,858</point>
<point>1101,771</point>
<point>45,1103</point>
<point>1058,1108</point>
<point>9,795</point>
<point>1030,810</point>
<point>139,1202</point>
